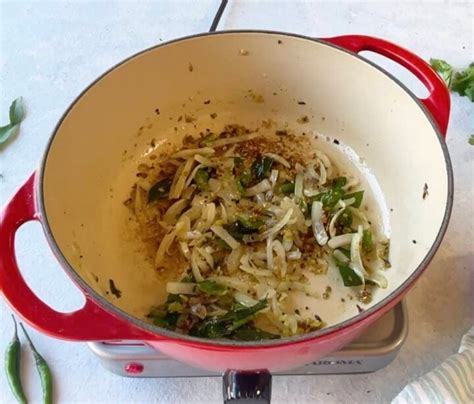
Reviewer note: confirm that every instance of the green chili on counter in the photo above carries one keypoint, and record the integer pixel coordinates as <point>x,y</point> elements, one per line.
<point>43,371</point>
<point>12,366</point>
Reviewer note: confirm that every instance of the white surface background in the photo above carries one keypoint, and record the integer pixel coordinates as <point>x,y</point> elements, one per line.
<point>49,51</point>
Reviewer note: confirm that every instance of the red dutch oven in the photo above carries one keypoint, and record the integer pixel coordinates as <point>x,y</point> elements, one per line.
<point>108,128</point>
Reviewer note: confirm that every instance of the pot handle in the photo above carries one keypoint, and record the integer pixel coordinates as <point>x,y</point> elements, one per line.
<point>250,387</point>
<point>89,323</point>
<point>437,103</point>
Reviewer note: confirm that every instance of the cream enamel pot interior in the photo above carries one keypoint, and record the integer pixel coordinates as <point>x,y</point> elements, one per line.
<point>88,168</point>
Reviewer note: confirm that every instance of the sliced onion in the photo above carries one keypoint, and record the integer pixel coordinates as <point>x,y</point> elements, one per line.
<point>275,229</point>
<point>235,139</point>
<point>224,235</point>
<point>191,152</point>
<point>233,260</point>
<point>324,175</point>
<point>192,175</point>
<point>279,159</point>
<point>246,266</point>
<point>332,223</point>
<point>164,245</point>
<point>358,213</point>
<point>340,241</point>
<point>245,299</point>
<point>181,288</point>
<point>294,255</point>
<point>231,282</point>
<point>340,256</point>
<point>261,187</point>
<point>378,279</point>
<point>317,222</point>
<point>273,177</point>
<point>223,212</point>
<point>204,161</point>
<point>207,218</point>
<point>356,259</point>
<point>174,210</point>
<point>144,184</point>
<point>207,256</point>
<point>326,162</point>
<point>280,252</point>
<point>264,291</point>
<point>287,240</point>
<point>180,179</point>
<point>299,185</point>
<point>311,171</point>
<point>195,265</point>
<point>183,246</point>
<point>269,253</point>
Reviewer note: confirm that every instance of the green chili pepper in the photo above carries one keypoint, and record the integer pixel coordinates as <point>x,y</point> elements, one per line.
<point>367,243</point>
<point>358,196</point>
<point>12,366</point>
<point>43,371</point>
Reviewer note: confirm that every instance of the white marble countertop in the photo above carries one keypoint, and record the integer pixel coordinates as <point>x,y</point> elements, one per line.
<point>49,51</point>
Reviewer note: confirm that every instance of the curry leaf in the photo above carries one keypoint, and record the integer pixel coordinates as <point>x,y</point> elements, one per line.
<point>16,114</point>
<point>247,333</point>
<point>261,167</point>
<point>471,140</point>
<point>349,277</point>
<point>160,190</point>
<point>358,196</point>
<point>16,111</point>
<point>212,288</point>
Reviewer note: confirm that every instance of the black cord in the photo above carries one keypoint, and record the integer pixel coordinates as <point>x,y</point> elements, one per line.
<point>218,16</point>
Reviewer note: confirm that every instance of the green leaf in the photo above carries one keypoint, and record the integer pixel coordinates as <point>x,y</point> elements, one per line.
<point>225,325</point>
<point>201,178</point>
<point>471,140</point>
<point>248,333</point>
<point>160,190</point>
<point>345,219</point>
<point>329,198</point>
<point>261,167</point>
<point>444,69</point>
<point>349,277</point>
<point>238,230</point>
<point>339,182</point>
<point>8,131</point>
<point>211,288</point>
<point>209,138</point>
<point>168,321</point>
<point>16,111</point>
<point>250,223</point>
<point>288,187</point>
<point>359,195</point>
<point>243,180</point>
<point>367,243</point>
<point>461,82</point>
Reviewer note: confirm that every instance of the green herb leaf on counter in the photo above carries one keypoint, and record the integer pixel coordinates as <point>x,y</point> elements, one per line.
<point>16,115</point>
<point>459,81</point>
<point>471,140</point>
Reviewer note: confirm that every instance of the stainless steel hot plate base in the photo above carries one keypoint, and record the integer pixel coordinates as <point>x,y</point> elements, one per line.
<point>375,349</point>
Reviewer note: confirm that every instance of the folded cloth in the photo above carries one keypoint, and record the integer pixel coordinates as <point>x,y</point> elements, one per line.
<point>450,382</point>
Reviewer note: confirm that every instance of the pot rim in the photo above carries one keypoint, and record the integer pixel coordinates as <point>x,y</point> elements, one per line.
<point>315,335</point>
